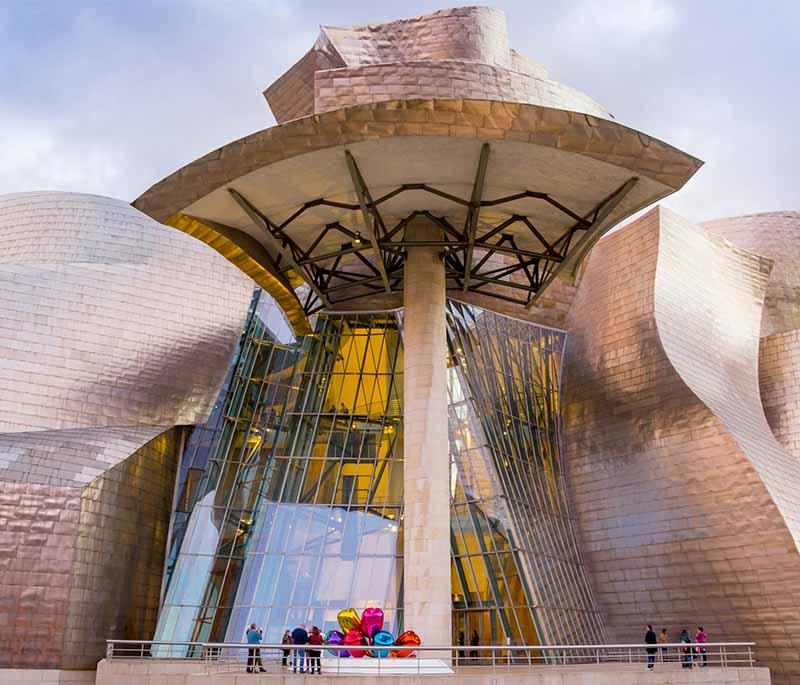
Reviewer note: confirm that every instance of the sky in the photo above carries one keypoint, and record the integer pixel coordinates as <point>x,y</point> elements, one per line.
<point>109,97</point>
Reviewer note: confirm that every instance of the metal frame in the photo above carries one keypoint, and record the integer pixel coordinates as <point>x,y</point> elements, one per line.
<point>387,245</point>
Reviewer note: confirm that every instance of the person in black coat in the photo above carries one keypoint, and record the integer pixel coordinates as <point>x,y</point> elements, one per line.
<point>686,651</point>
<point>650,639</point>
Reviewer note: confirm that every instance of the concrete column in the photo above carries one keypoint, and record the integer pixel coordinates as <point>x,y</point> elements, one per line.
<point>426,470</point>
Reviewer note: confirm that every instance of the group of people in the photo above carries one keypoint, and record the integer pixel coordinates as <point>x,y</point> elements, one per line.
<point>687,653</point>
<point>306,659</point>
<point>474,641</point>
<point>305,652</point>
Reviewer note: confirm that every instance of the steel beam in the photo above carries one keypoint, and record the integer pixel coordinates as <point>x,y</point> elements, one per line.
<point>593,233</point>
<point>365,202</point>
<point>264,225</point>
<point>474,208</point>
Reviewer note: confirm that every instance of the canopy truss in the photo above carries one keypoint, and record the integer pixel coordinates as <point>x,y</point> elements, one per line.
<point>372,251</point>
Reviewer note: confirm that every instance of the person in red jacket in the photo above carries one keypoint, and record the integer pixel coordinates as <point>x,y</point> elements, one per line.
<point>701,638</point>
<point>314,639</point>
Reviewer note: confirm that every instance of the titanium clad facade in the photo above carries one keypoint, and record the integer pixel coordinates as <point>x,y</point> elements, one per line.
<point>290,505</point>
<point>82,564</point>
<point>114,332</point>
<point>686,502</point>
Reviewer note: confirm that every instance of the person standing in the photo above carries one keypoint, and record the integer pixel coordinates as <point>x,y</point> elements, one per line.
<point>701,638</point>
<point>650,639</point>
<point>663,639</point>
<point>299,637</point>
<point>474,641</point>
<point>254,653</point>
<point>286,640</point>
<point>315,639</point>
<point>687,651</point>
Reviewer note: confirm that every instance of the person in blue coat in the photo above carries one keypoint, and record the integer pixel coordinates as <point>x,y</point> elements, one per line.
<point>299,637</point>
<point>254,653</point>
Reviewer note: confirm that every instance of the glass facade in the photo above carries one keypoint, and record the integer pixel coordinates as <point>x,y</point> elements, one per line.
<point>517,571</point>
<point>289,506</point>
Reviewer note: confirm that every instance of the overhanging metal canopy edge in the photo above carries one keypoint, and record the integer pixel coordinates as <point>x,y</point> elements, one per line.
<point>243,251</point>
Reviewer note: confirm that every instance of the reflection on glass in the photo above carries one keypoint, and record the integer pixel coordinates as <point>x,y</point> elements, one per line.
<point>290,499</point>
<point>517,572</point>
<point>300,503</point>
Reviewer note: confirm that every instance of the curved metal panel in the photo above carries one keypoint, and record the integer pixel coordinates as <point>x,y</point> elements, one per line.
<point>83,556</point>
<point>775,235</point>
<point>453,53</point>
<point>681,518</point>
<point>718,290</point>
<point>251,258</point>
<point>779,379</point>
<point>108,318</point>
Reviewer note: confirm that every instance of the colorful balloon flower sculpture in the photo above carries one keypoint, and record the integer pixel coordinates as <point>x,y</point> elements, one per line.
<point>348,619</point>
<point>368,630</point>
<point>371,621</point>
<point>407,639</point>
<point>355,637</point>
<point>336,637</point>
<point>381,638</point>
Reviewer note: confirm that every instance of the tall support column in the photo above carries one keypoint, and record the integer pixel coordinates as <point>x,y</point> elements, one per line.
<point>426,470</point>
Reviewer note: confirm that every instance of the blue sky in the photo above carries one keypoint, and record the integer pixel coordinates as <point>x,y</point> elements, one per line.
<point>109,97</point>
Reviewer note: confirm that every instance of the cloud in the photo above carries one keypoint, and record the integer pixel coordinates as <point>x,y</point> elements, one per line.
<point>110,97</point>
<point>36,156</point>
<point>612,21</point>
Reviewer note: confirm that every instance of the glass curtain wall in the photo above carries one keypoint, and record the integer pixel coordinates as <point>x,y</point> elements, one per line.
<point>289,507</point>
<point>220,476</point>
<point>326,535</point>
<point>295,511</point>
<point>511,521</point>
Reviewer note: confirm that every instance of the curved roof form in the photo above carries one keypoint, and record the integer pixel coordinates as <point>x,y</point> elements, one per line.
<point>146,319</point>
<point>775,235</point>
<point>113,329</point>
<point>454,53</point>
<point>431,120</point>
<point>520,193</point>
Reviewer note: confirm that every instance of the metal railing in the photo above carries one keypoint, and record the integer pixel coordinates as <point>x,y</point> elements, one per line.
<point>223,657</point>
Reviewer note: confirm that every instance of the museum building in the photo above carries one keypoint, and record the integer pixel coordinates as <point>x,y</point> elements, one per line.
<point>450,395</point>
